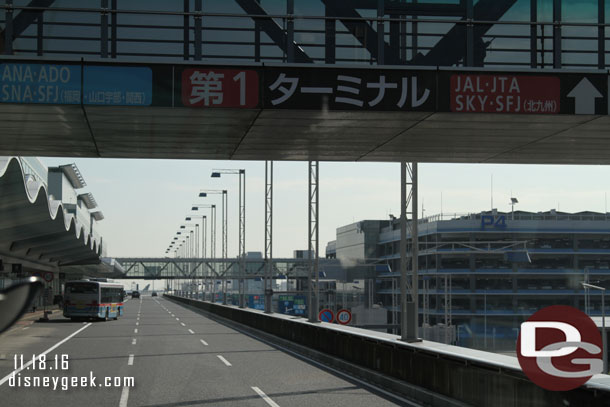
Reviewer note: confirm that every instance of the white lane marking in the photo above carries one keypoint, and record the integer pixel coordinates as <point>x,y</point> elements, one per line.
<point>173,315</point>
<point>130,361</point>
<point>404,401</point>
<point>133,341</point>
<point>191,331</point>
<point>265,397</point>
<point>226,362</point>
<point>135,331</point>
<point>124,397</point>
<point>177,319</point>
<point>14,372</point>
<point>182,323</point>
<point>27,327</point>
<point>204,342</point>
<point>137,323</point>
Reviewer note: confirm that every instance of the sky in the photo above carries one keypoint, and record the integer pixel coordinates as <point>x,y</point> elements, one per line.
<point>146,201</point>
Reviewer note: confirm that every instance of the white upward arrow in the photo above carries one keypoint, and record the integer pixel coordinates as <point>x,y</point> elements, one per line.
<point>584,95</point>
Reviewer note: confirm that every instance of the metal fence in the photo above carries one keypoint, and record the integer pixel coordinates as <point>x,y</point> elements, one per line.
<point>462,34</point>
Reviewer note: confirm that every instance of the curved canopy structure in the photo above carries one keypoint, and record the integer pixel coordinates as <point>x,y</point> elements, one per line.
<point>36,231</point>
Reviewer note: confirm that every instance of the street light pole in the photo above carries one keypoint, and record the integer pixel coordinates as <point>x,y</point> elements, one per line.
<point>604,338</point>
<point>195,207</point>
<point>203,243</point>
<point>242,227</point>
<point>224,242</point>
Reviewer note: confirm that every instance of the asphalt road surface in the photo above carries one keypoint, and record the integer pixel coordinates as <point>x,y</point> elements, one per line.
<point>176,357</point>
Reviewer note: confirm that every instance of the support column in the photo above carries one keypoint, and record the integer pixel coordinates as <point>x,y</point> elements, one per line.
<point>185,31</point>
<point>469,33</point>
<point>313,218</point>
<point>409,318</point>
<point>198,23</point>
<point>257,38</point>
<point>224,215</point>
<point>242,237</point>
<point>268,236</point>
<point>534,34</point>
<point>40,34</point>
<point>380,32</point>
<point>556,34</point>
<point>8,28</point>
<point>104,30</point>
<point>601,36</point>
<point>290,31</point>
<point>113,29</point>
<point>330,33</point>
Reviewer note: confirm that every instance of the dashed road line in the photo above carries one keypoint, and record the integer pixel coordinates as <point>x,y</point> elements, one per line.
<point>124,397</point>
<point>204,342</point>
<point>182,323</point>
<point>265,397</point>
<point>130,361</point>
<point>135,331</point>
<point>133,341</point>
<point>226,362</point>
<point>191,331</point>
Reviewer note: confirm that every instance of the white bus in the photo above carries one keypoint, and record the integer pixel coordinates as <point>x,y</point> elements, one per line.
<point>93,299</point>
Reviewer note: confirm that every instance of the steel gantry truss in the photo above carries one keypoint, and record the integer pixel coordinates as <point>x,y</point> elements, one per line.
<point>268,235</point>
<point>313,235</point>
<point>177,268</point>
<point>409,319</point>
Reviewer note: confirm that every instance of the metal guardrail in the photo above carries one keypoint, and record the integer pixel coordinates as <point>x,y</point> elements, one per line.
<point>385,37</point>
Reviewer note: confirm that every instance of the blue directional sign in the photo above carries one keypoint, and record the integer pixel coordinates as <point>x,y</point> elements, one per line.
<point>62,84</point>
<point>117,86</point>
<point>292,304</point>
<point>40,83</point>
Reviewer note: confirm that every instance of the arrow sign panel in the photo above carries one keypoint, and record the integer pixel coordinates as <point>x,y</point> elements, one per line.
<point>584,95</point>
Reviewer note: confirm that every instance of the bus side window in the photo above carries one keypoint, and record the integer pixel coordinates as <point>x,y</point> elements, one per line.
<point>105,294</point>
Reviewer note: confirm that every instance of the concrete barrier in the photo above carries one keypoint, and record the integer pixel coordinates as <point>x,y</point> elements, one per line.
<point>473,377</point>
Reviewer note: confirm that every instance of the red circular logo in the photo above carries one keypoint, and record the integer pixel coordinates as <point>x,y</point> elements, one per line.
<point>559,348</point>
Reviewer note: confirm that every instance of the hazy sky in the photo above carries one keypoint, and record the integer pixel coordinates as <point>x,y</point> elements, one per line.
<point>145,201</point>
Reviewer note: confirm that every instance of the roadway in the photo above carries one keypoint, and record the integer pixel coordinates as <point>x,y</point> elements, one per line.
<point>177,357</point>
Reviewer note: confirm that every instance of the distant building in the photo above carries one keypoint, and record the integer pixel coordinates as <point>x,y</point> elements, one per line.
<point>487,272</point>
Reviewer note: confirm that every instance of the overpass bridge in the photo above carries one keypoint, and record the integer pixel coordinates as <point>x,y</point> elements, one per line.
<point>491,82</point>
<point>458,82</point>
<point>196,268</point>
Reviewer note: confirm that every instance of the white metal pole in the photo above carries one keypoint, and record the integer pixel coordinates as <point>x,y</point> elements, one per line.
<point>403,250</point>
<point>604,338</point>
